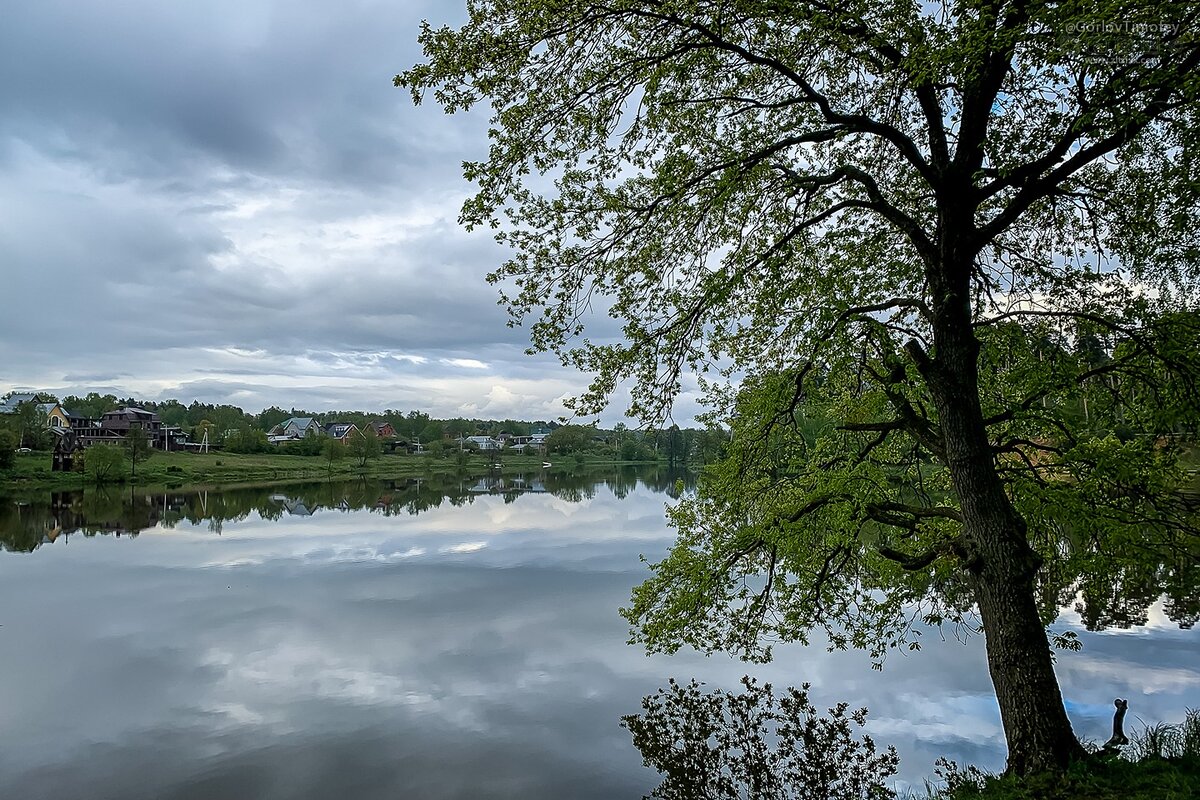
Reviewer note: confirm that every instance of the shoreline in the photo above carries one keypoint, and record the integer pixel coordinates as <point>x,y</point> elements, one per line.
<point>188,472</point>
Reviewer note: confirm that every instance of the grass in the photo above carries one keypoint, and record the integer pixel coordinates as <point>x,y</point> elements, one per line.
<point>1161,762</point>
<point>207,470</point>
<point>185,471</point>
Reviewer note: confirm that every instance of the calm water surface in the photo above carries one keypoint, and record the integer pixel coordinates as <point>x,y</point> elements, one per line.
<point>438,640</point>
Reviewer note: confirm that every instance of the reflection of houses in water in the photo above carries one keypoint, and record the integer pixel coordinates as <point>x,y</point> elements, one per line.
<point>138,513</point>
<point>499,484</point>
<point>25,527</point>
<point>293,506</point>
<point>298,507</point>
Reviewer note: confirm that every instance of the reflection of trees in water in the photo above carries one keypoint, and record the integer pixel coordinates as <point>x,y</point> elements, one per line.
<point>26,526</point>
<point>1119,582</point>
<point>720,745</point>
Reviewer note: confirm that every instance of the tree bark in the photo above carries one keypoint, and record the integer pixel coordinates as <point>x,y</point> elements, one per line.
<point>1036,726</point>
<point>1001,564</point>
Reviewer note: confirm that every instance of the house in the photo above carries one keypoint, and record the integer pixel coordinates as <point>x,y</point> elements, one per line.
<point>340,430</point>
<point>60,419</point>
<point>123,420</point>
<point>11,405</point>
<point>294,428</point>
<point>484,442</point>
<point>383,429</point>
<point>535,441</point>
<point>114,426</point>
<point>55,415</point>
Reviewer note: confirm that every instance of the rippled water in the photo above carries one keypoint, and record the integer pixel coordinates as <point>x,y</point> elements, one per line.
<point>448,639</point>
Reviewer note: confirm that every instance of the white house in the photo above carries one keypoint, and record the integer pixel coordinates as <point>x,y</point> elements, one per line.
<point>294,428</point>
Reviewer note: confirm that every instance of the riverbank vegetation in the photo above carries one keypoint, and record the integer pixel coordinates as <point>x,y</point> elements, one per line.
<point>1161,762</point>
<point>721,745</point>
<point>242,453</point>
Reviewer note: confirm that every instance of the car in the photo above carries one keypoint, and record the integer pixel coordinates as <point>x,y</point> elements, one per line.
<point>24,450</point>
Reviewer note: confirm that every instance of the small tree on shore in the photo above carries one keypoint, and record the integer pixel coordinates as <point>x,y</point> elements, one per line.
<point>333,450</point>
<point>364,445</point>
<point>102,462</point>
<point>137,446</point>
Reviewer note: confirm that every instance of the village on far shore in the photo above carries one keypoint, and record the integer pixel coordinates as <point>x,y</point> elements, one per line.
<point>66,429</point>
<point>113,427</point>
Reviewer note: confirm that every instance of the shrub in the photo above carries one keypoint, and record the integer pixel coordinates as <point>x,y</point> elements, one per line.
<point>104,462</point>
<point>8,449</point>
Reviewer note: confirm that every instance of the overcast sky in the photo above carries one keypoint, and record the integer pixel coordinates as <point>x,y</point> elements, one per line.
<point>228,201</point>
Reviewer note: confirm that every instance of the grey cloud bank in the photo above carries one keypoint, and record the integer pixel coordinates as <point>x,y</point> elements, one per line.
<point>230,202</point>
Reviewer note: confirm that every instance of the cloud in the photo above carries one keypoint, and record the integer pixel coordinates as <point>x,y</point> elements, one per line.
<point>277,646</point>
<point>230,202</point>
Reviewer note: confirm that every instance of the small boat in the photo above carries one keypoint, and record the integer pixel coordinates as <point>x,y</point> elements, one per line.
<point>546,464</point>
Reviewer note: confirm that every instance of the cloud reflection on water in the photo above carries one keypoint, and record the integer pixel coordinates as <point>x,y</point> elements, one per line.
<point>466,651</point>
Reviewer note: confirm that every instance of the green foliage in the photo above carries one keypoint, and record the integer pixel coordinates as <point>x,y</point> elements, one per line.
<point>313,444</point>
<point>9,442</point>
<point>247,439</point>
<point>92,406</point>
<point>935,265</point>
<point>332,450</point>
<point>718,745</point>
<point>1094,779</point>
<point>270,417</point>
<point>570,439</point>
<point>633,450</point>
<point>30,423</point>
<point>1167,741</point>
<point>364,445</point>
<point>137,447</point>
<point>103,463</point>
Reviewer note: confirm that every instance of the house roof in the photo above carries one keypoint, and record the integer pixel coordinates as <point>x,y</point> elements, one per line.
<point>301,424</point>
<point>139,412</point>
<point>9,406</point>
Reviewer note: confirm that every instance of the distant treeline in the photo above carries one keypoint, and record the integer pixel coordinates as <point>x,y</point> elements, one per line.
<point>241,431</point>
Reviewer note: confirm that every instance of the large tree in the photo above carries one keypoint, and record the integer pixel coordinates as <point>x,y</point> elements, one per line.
<point>874,229</point>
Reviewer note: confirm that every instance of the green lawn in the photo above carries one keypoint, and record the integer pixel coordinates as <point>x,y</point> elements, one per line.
<point>196,470</point>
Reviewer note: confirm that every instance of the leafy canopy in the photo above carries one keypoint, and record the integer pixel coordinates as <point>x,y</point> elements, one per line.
<point>812,206</point>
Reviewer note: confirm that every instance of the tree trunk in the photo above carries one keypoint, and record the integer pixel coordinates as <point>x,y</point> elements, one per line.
<point>1003,569</point>
<point>1001,564</point>
<point>1036,726</point>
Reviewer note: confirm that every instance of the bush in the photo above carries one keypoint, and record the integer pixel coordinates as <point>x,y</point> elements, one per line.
<point>104,462</point>
<point>8,449</point>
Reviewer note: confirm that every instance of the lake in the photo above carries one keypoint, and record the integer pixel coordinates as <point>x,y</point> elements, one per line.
<point>433,639</point>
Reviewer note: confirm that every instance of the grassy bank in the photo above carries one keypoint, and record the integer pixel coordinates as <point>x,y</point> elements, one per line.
<point>31,473</point>
<point>1115,779</point>
<point>1161,762</point>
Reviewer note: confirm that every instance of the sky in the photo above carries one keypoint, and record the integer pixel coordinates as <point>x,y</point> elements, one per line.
<point>229,201</point>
